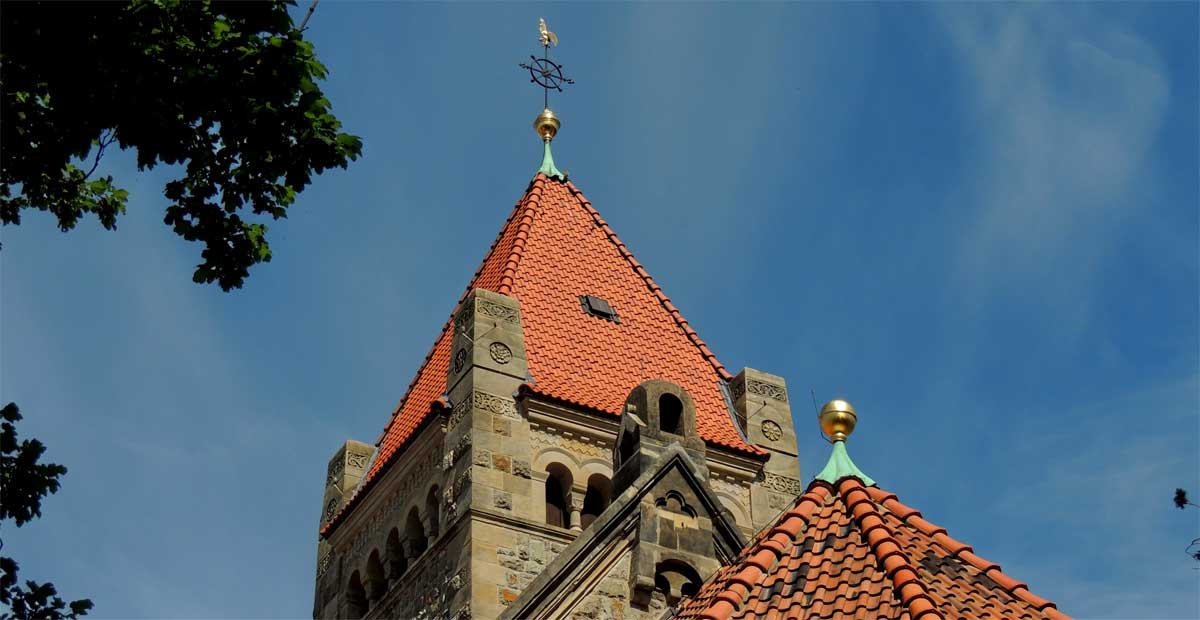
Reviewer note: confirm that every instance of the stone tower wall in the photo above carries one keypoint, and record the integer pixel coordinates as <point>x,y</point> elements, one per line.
<point>489,456</point>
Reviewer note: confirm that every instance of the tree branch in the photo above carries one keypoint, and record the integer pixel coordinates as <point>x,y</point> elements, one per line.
<point>104,142</point>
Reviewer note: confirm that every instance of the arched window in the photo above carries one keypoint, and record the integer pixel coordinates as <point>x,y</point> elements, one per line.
<point>414,535</point>
<point>670,414</point>
<point>599,493</point>
<point>356,598</point>
<point>376,585</point>
<point>558,488</point>
<point>396,562</point>
<point>431,508</point>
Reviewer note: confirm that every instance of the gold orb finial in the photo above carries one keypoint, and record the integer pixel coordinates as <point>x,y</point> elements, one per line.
<point>546,124</point>
<point>837,419</point>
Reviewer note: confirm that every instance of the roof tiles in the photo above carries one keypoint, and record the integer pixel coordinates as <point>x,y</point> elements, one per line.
<point>853,551</point>
<point>553,248</point>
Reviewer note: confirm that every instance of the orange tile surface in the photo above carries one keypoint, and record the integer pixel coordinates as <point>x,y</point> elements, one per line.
<point>857,552</point>
<point>554,248</point>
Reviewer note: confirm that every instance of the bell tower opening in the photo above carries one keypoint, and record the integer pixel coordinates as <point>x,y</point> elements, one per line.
<point>670,414</point>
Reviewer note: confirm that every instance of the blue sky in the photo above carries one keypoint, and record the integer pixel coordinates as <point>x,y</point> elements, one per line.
<point>976,222</point>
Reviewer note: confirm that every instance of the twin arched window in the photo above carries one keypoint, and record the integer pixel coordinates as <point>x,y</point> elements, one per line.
<point>558,497</point>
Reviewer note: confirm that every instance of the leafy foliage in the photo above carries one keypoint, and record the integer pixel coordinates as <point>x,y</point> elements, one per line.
<point>24,482</point>
<point>226,89</point>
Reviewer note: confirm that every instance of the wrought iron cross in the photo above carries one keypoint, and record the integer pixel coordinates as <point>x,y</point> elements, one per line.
<point>543,71</point>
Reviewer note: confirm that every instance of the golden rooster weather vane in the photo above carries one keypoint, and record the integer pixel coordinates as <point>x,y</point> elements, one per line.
<point>547,74</point>
<point>545,37</point>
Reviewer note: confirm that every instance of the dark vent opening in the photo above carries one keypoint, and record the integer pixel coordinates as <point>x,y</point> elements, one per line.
<point>670,414</point>
<point>599,308</point>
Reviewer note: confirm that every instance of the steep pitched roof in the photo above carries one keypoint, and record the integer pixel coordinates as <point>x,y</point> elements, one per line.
<point>846,550</point>
<point>554,248</point>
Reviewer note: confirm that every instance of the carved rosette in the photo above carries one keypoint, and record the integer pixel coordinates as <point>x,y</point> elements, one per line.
<point>500,353</point>
<point>771,430</point>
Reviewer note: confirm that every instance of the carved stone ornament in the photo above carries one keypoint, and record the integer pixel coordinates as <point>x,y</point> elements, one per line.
<point>769,390</point>
<point>574,446</point>
<point>771,430</point>
<point>335,469</point>
<point>497,311</point>
<point>457,414</point>
<point>782,484</point>
<point>463,323</point>
<point>500,352</point>
<point>460,359</point>
<point>495,404</point>
<point>359,460</point>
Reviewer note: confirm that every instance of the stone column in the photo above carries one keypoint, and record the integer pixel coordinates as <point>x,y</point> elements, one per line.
<point>577,510</point>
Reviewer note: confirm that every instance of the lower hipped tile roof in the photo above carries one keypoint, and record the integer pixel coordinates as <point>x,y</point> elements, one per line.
<point>553,248</point>
<point>853,551</point>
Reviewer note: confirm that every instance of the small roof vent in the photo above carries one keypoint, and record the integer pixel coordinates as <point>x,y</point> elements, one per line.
<point>598,308</point>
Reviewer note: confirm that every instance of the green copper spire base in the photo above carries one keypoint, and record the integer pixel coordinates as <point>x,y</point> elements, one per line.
<point>548,167</point>
<point>840,466</point>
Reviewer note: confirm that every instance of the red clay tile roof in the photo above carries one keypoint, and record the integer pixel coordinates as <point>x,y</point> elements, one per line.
<point>856,552</point>
<point>554,248</point>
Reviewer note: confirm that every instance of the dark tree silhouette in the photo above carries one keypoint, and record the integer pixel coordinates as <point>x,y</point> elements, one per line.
<point>23,483</point>
<point>228,90</point>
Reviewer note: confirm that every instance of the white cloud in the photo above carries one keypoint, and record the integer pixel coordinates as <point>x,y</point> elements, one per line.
<point>1066,110</point>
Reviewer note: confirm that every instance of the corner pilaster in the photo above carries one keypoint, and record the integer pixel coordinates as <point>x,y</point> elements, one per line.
<point>490,461</point>
<point>764,410</point>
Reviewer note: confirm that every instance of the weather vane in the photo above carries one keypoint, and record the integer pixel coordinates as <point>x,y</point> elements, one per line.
<point>543,71</point>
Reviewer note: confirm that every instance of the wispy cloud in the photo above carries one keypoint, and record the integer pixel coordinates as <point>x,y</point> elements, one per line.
<point>1065,109</point>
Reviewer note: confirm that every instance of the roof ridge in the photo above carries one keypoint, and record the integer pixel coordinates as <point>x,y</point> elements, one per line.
<point>531,201</point>
<point>913,593</point>
<point>683,324</point>
<point>964,552</point>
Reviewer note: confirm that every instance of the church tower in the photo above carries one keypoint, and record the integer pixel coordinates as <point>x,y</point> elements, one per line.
<point>566,402</point>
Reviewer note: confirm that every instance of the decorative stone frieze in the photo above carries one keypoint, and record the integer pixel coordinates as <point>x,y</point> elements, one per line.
<point>497,311</point>
<point>541,438</point>
<point>770,390</point>
<point>782,484</point>
<point>498,405</point>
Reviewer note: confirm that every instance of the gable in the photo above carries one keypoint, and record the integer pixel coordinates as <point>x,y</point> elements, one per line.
<point>652,532</point>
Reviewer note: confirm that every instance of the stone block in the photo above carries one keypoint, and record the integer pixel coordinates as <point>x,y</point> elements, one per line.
<point>502,462</point>
<point>483,457</point>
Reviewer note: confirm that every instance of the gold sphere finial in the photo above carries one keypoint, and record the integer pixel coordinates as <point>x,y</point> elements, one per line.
<point>837,419</point>
<point>546,124</point>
